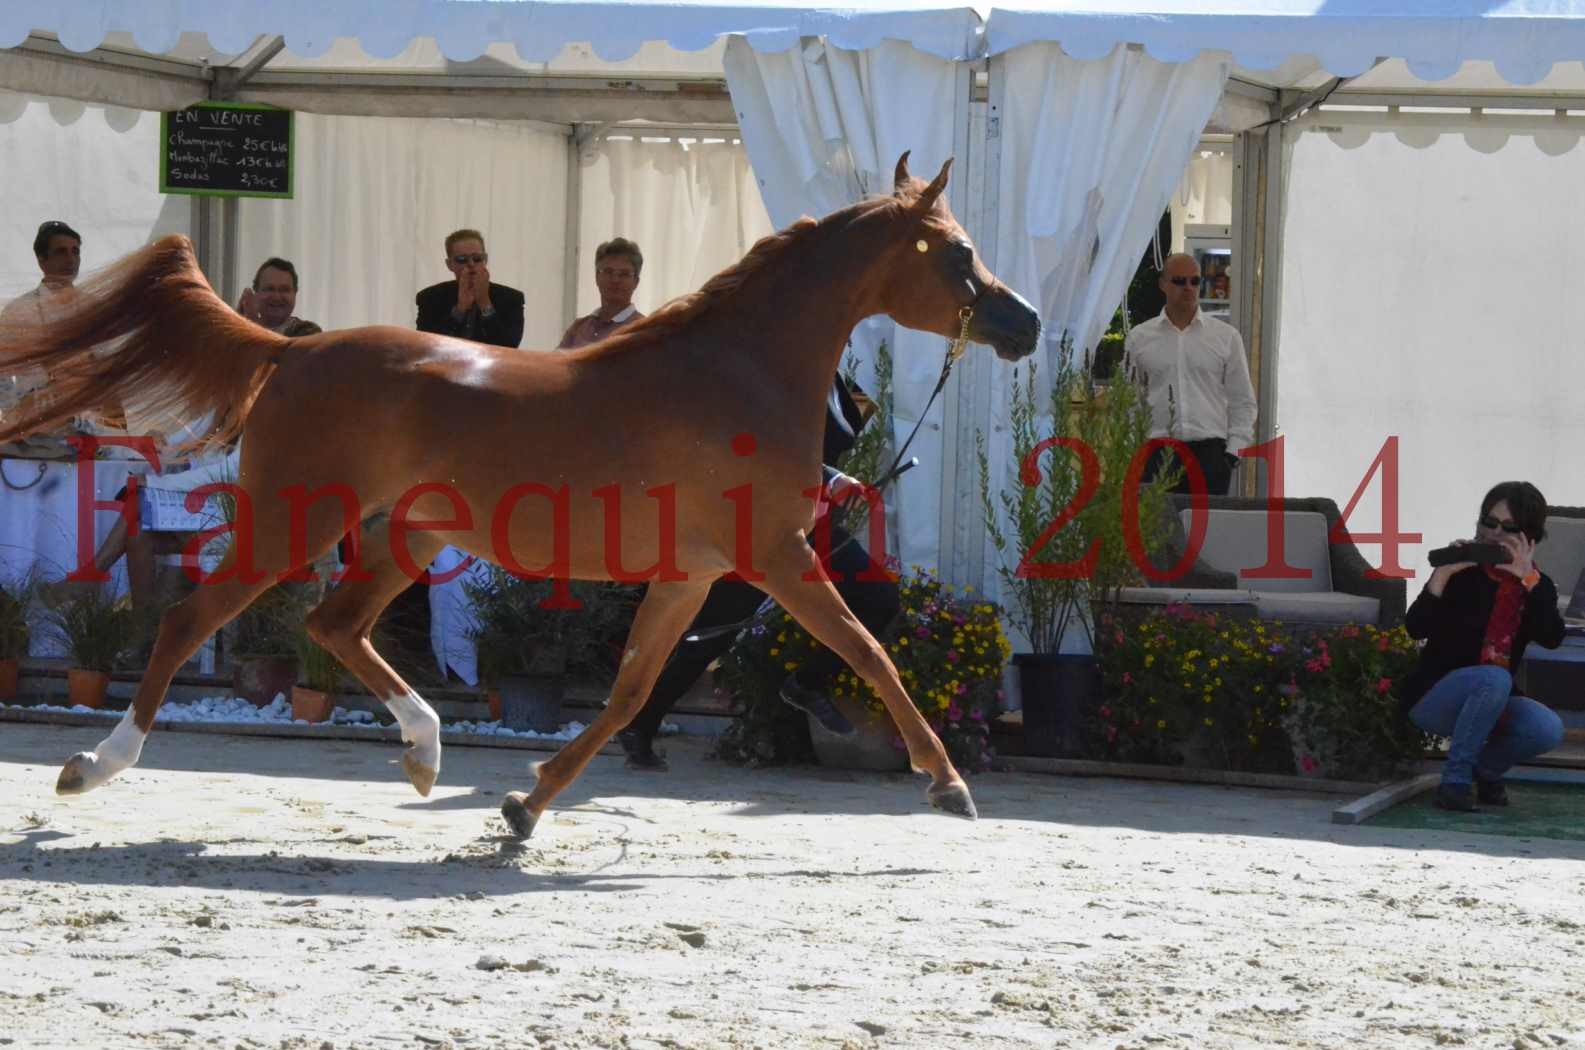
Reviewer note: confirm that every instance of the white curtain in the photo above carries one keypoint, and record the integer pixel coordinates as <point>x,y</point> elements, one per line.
<point>376,197</point>
<point>693,208</point>
<point>1091,152</point>
<point>824,128</point>
<point>94,167</point>
<point>1431,294</point>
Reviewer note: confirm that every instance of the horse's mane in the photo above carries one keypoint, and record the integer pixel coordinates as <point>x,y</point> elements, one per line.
<point>685,309</point>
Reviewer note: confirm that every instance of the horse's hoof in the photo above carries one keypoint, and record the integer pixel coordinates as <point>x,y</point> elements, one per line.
<point>953,798</point>
<point>515,811</point>
<point>422,776</point>
<point>73,780</point>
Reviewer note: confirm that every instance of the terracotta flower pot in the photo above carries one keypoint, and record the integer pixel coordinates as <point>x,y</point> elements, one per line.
<point>86,688</point>
<point>493,698</point>
<point>311,705</point>
<point>10,674</point>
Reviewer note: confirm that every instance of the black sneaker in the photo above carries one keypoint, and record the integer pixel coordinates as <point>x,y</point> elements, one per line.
<point>1491,792</point>
<point>816,703</point>
<point>641,754</point>
<point>1458,797</point>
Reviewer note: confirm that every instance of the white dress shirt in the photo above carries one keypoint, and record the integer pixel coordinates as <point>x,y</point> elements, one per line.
<point>1204,367</point>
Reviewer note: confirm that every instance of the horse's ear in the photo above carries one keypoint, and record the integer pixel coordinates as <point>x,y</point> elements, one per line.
<point>927,199</point>
<point>901,180</point>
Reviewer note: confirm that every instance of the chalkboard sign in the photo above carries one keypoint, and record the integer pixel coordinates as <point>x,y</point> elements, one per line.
<point>225,149</point>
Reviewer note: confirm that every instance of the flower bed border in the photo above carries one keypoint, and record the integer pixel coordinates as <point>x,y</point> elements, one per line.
<point>391,734</point>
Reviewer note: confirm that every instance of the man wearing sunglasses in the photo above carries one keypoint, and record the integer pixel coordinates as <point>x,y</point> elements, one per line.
<point>1196,380</point>
<point>617,265</point>
<point>471,306</point>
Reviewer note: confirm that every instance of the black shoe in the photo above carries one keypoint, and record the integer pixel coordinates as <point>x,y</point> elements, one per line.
<point>1491,792</point>
<point>641,754</point>
<point>811,701</point>
<point>1458,797</point>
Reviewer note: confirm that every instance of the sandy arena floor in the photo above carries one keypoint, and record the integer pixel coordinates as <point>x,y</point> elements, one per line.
<point>259,893</point>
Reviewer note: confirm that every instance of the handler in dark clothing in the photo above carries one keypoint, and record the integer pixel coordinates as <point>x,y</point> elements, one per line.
<point>1477,621</point>
<point>472,306</point>
<point>875,603</point>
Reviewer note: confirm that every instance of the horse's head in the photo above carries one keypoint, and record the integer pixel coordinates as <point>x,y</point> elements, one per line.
<point>935,274</point>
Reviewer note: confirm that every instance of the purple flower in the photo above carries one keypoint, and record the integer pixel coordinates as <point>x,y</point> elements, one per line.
<point>952,656</point>
<point>1274,647</point>
<point>976,714</point>
<point>963,689</point>
<point>954,713</point>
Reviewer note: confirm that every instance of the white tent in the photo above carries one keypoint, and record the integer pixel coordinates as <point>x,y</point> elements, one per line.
<point>1329,73</point>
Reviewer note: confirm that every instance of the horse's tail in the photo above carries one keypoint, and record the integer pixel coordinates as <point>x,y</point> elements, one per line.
<point>147,333</point>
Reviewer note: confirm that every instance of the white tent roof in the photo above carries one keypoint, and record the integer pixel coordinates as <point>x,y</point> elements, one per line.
<point>1521,38</point>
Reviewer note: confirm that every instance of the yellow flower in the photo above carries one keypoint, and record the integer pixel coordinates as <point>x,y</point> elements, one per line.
<point>1161,724</point>
<point>1209,722</point>
<point>789,665</point>
<point>775,652</point>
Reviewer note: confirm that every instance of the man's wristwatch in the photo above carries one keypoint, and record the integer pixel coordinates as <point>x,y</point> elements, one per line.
<point>1530,579</point>
<point>486,312</point>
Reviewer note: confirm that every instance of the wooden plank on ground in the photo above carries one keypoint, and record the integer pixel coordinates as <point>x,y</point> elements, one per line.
<point>1362,809</point>
<point>1081,767</point>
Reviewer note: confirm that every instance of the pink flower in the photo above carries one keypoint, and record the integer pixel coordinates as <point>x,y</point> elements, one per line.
<point>975,714</point>
<point>921,632</point>
<point>952,656</point>
<point>1128,678</point>
<point>960,621</point>
<point>954,713</point>
<point>1313,666</point>
<point>1111,734</point>
<point>1105,712</point>
<point>1309,763</point>
<point>1383,685</point>
<point>963,689</point>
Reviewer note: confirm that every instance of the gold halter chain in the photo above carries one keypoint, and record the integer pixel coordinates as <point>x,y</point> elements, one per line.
<point>961,343</point>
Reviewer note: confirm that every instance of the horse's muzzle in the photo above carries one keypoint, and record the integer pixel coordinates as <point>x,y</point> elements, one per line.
<point>1006,323</point>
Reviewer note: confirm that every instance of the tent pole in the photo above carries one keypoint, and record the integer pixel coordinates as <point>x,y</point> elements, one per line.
<point>573,230</point>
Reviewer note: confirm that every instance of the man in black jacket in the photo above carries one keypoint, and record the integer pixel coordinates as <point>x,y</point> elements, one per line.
<point>472,306</point>
<point>876,602</point>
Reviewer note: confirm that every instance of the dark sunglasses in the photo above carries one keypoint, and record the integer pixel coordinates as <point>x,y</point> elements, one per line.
<point>1489,521</point>
<point>1193,282</point>
<point>463,260</point>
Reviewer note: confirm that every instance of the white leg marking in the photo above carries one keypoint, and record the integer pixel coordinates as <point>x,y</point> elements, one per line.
<point>116,752</point>
<point>420,726</point>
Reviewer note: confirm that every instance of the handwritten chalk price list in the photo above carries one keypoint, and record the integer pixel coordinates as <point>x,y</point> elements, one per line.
<point>227,150</point>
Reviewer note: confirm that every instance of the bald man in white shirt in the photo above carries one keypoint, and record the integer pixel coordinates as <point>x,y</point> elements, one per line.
<point>1196,379</point>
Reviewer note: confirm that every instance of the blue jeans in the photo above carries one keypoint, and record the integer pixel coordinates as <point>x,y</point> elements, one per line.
<point>1490,730</point>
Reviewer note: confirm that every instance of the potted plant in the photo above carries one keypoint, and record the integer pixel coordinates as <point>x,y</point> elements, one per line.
<point>14,636</point>
<point>1066,436</point>
<point>98,631</point>
<point>528,647</point>
<point>265,644</point>
<point>314,700</point>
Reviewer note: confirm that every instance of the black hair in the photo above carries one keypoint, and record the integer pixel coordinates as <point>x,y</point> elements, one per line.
<point>52,228</point>
<point>1525,503</point>
<point>274,264</point>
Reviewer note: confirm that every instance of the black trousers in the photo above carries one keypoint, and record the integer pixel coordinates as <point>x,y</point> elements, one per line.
<point>1212,456</point>
<point>875,604</point>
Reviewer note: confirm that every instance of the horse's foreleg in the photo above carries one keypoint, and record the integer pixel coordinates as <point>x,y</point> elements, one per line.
<point>183,629</point>
<point>343,624</point>
<point>667,610</point>
<point>820,610</point>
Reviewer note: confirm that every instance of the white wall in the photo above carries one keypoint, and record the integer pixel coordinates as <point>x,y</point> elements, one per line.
<point>1432,294</point>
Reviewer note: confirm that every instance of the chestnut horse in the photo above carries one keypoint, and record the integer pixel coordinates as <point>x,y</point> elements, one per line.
<point>708,413</point>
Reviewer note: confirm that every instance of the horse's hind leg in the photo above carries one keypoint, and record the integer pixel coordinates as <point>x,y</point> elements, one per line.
<point>183,629</point>
<point>821,611</point>
<point>666,611</point>
<point>186,624</point>
<point>343,624</point>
